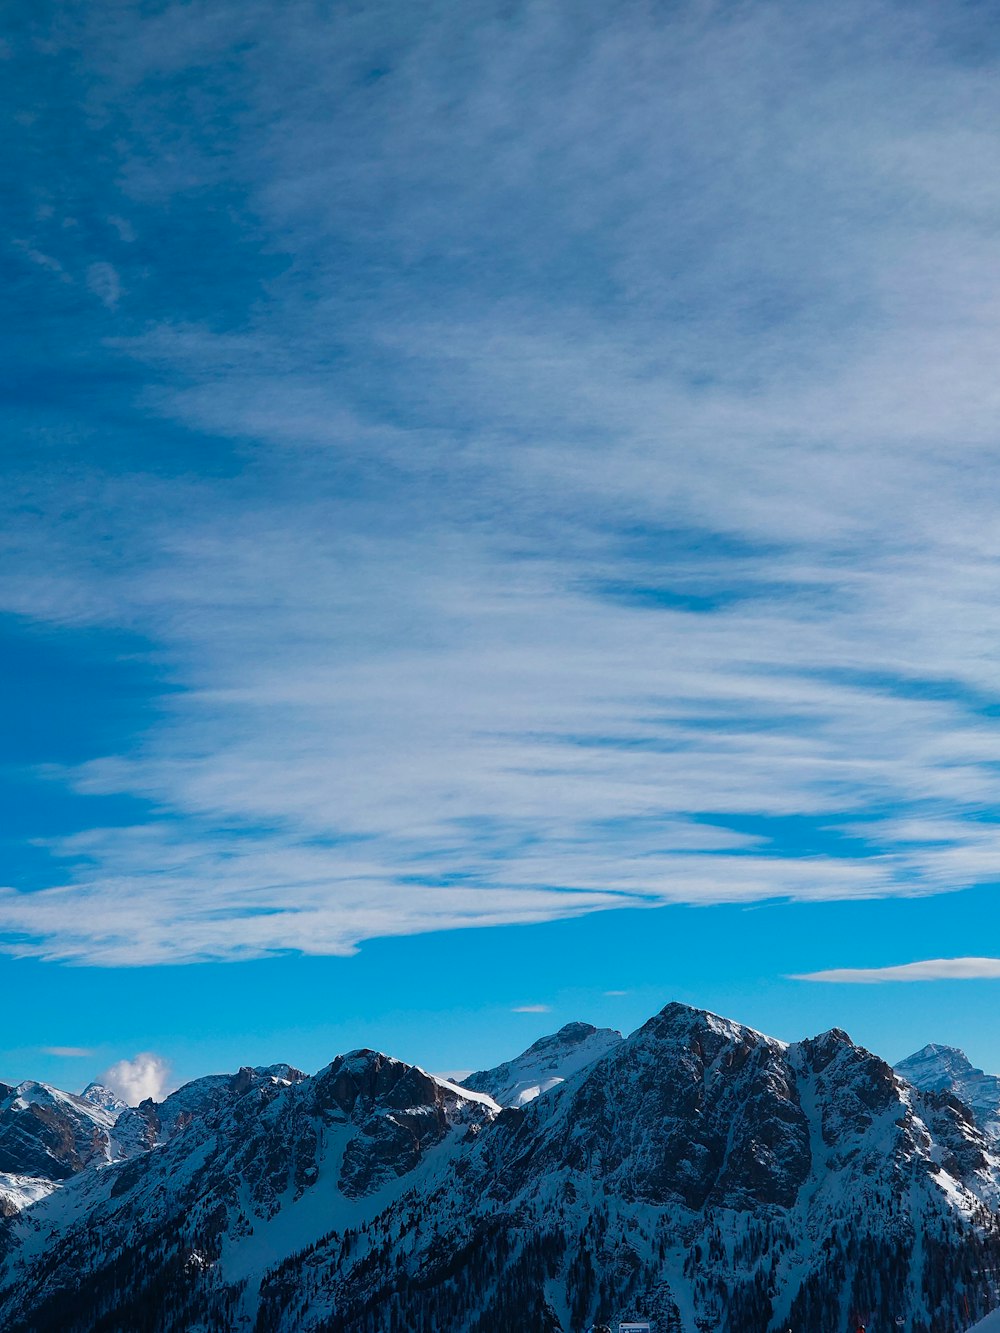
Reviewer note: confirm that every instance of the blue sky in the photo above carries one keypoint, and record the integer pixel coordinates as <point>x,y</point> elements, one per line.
<point>498,510</point>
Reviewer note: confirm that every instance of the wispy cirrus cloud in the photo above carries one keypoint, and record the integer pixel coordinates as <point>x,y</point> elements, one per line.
<point>532,1009</point>
<point>564,493</point>
<point>932,969</point>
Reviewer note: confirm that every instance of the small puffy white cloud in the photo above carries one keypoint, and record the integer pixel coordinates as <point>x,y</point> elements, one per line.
<point>532,1009</point>
<point>145,1075</point>
<point>932,969</point>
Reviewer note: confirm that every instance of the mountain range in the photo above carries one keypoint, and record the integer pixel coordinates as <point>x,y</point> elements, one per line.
<point>696,1173</point>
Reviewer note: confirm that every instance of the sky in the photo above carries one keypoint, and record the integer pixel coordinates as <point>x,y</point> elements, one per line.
<point>498,526</point>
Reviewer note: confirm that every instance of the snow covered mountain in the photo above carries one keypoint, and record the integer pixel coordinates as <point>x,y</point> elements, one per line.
<point>104,1099</point>
<point>47,1135</point>
<point>550,1061</point>
<point>267,1168</point>
<point>946,1068</point>
<point>697,1173</point>
<point>151,1124</point>
<point>51,1134</point>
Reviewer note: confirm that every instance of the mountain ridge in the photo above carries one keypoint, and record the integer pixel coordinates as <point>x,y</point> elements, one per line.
<point>697,1173</point>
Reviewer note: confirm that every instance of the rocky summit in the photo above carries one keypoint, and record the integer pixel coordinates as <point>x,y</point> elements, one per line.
<point>947,1069</point>
<point>697,1174</point>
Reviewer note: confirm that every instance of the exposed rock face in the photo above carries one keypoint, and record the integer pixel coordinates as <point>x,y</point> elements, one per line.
<point>140,1128</point>
<point>49,1134</point>
<point>689,1110</point>
<point>697,1173</point>
<point>399,1111</point>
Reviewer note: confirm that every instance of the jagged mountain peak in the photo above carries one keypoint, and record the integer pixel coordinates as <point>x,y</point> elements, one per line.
<point>940,1068</point>
<point>105,1098</point>
<point>677,1017</point>
<point>373,1079</point>
<point>697,1173</point>
<point>831,1045</point>
<point>49,1135</point>
<point>833,1037</point>
<point>937,1061</point>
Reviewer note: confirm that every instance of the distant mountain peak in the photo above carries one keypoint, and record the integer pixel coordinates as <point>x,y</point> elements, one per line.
<point>939,1068</point>
<point>102,1096</point>
<point>936,1056</point>
<point>571,1034</point>
<point>546,1063</point>
<point>575,1031</point>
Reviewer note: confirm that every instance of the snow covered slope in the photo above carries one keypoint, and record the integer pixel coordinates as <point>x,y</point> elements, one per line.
<point>256,1177</point>
<point>550,1061</point>
<point>946,1068</point>
<point>103,1098</point>
<point>698,1173</point>
<point>47,1136</point>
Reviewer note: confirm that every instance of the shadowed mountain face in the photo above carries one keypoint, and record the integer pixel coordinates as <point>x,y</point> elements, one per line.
<point>697,1173</point>
<point>690,1109</point>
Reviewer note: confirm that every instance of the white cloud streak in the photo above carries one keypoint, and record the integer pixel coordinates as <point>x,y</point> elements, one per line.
<point>671,513</point>
<point>532,1009</point>
<point>933,969</point>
